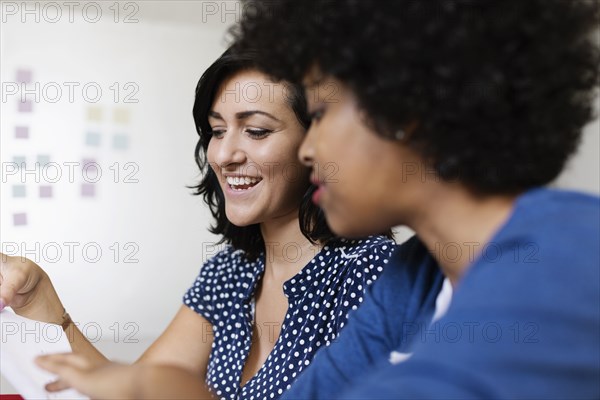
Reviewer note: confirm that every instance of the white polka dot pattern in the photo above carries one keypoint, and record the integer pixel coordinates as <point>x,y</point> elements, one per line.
<point>320,297</point>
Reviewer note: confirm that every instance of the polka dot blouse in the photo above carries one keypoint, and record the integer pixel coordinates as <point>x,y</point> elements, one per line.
<point>320,297</point>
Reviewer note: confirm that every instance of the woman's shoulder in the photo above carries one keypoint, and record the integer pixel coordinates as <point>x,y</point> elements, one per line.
<point>229,262</point>
<point>376,245</point>
<point>358,259</point>
<point>227,274</point>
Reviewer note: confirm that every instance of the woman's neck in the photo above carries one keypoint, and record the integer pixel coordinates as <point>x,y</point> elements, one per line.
<point>287,251</point>
<point>455,225</point>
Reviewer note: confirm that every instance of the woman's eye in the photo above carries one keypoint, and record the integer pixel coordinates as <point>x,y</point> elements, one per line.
<point>316,115</point>
<point>258,133</point>
<point>217,133</point>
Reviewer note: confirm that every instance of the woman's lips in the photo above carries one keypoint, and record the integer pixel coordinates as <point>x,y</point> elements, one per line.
<point>316,197</point>
<point>240,185</point>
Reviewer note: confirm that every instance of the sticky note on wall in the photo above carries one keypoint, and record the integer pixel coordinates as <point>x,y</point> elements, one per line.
<point>24,75</point>
<point>21,132</point>
<point>25,106</point>
<point>94,114</point>
<point>121,115</point>
<point>20,219</point>
<point>120,142</point>
<point>88,190</point>
<point>90,168</point>
<point>20,161</point>
<point>19,191</point>
<point>92,139</point>
<point>45,191</point>
<point>43,159</point>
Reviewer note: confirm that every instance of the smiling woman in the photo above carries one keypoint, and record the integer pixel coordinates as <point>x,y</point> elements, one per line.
<point>252,152</point>
<point>284,287</point>
<point>234,97</point>
<point>281,289</point>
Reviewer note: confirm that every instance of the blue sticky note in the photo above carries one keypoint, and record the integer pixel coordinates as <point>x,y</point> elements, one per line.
<point>20,161</point>
<point>121,142</point>
<point>19,191</point>
<point>92,139</point>
<point>43,159</point>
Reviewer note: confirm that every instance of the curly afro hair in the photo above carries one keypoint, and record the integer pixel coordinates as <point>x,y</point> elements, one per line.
<point>500,89</point>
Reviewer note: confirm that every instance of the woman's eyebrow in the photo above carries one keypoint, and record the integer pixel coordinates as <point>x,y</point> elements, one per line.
<point>213,114</point>
<point>246,114</point>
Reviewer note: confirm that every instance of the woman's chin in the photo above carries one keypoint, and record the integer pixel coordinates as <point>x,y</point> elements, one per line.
<point>349,227</point>
<point>240,221</point>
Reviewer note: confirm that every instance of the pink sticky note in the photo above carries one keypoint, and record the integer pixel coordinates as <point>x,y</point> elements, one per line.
<point>45,191</point>
<point>89,167</point>
<point>88,190</point>
<point>24,75</point>
<point>22,132</point>
<point>20,219</point>
<point>26,106</point>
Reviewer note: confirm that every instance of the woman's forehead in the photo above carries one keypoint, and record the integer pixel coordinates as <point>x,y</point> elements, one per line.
<point>251,90</point>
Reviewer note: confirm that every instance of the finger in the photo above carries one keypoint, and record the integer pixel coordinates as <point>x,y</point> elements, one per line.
<point>18,276</point>
<point>4,257</point>
<point>57,386</point>
<point>13,280</point>
<point>73,371</point>
<point>68,367</point>
<point>52,362</point>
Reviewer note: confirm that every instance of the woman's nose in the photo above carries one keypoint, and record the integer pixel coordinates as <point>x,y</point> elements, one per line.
<point>229,150</point>
<point>306,150</point>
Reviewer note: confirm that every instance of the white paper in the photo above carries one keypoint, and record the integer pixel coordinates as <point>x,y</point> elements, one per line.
<point>22,341</point>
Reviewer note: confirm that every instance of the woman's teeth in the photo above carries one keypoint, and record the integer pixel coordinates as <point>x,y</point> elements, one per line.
<point>242,182</point>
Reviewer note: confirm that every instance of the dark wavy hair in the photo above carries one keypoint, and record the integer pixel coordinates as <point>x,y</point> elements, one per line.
<point>497,91</point>
<point>248,238</point>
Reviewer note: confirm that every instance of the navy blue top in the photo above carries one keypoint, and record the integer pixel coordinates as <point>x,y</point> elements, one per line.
<point>402,301</point>
<point>320,297</point>
<point>524,321</point>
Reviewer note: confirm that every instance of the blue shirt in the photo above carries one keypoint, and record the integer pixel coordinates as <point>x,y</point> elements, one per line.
<point>320,297</point>
<point>524,321</point>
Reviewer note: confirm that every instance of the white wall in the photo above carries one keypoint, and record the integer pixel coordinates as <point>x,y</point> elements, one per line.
<point>162,56</point>
<point>583,170</point>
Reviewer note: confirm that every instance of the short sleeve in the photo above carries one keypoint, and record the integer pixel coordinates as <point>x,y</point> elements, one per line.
<point>203,295</point>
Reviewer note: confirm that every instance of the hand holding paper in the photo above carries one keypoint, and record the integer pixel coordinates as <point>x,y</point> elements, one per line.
<point>108,381</point>
<point>22,341</point>
<point>118,381</point>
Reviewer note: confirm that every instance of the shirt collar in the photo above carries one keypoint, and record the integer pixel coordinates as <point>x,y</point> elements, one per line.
<point>253,275</point>
<point>308,276</point>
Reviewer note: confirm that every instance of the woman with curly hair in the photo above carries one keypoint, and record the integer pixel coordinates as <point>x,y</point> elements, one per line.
<point>450,117</point>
